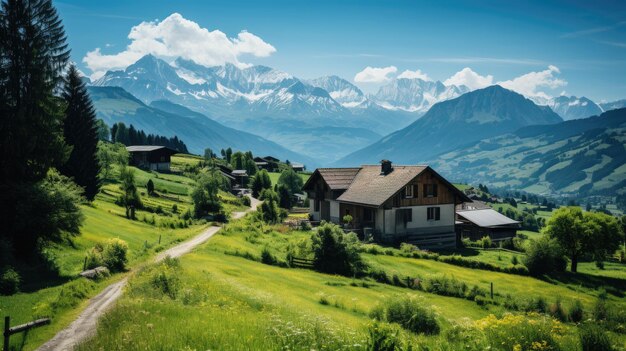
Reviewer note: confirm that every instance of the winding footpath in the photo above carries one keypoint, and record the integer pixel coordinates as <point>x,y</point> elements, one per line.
<point>85,325</point>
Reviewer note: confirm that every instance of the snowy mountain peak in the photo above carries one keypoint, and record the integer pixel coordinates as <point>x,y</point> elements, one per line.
<point>572,107</point>
<point>415,95</point>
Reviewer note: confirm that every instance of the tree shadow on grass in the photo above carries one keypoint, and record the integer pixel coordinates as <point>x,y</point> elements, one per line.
<point>38,272</point>
<point>613,286</point>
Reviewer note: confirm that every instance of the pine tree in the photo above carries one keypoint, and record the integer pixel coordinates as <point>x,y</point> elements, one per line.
<point>33,55</point>
<point>81,132</point>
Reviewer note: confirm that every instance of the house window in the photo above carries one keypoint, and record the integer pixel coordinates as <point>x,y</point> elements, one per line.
<point>408,191</point>
<point>433,213</point>
<point>317,205</point>
<point>368,215</point>
<point>430,190</point>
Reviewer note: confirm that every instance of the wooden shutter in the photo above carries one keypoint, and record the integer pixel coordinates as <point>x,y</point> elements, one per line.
<point>437,213</point>
<point>415,188</point>
<point>435,190</point>
<point>425,187</point>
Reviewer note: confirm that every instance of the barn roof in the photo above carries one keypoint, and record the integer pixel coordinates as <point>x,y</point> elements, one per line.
<point>486,218</point>
<point>148,148</point>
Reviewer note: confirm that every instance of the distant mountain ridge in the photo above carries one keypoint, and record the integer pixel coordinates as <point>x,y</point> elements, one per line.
<point>450,124</point>
<point>260,100</point>
<point>416,95</point>
<point>578,157</point>
<point>114,104</point>
<point>572,107</point>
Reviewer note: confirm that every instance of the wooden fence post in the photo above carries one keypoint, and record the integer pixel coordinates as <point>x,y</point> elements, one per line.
<point>159,239</point>
<point>85,264</point>
<point>7,325</point>
<point>492,290</point>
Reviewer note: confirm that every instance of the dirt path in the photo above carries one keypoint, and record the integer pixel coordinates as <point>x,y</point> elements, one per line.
<point>85,325</point>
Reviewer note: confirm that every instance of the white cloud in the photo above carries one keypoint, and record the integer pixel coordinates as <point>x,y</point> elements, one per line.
<point>175,37</point>
<point>414,74</point>
<point>470,79</point>
<point>530,83</point>
<point>375,74</point>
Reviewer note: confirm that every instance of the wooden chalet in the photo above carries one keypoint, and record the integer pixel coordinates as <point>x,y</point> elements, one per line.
<point>152,157</point>
<point>392,203</point>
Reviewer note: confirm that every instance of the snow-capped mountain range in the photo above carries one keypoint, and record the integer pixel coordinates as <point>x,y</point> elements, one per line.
<point>416,95</point>
<point>325,118</point>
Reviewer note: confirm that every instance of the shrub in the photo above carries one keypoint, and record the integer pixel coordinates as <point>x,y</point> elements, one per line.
<point>544,256</point>
<point>336,252</point>
<point>324,301</point>
<point>267,257</point>
<point>114,255</point>
<point>576,312</point>
<point>556,310</point>
<point>94,257</point>
<point>174,208</point>
<point>521,332</point>
<point>485,242</point>
<point>514,260</point>
<point>380,276</point>
<point>10,282</point>
<point>408,249</point>
<point>593,338</point>
<point>166,281</point>
<point>245,201</point>
<point>411,315</point>
<point>382,337</point>
<point>305,226</point>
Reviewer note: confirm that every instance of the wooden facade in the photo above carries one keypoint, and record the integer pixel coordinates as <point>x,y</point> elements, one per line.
<point>444,195</point>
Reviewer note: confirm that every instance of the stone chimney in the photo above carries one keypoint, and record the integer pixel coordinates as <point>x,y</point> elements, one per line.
<point>385,167</point>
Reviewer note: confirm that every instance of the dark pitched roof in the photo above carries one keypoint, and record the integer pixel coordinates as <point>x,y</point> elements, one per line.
<point>371,188</point>
<point>486,218</point>
<point>148,148</point>
<point>336,178</point>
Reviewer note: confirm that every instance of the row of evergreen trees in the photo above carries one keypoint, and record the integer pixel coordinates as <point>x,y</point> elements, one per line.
<point>47,122</point>
<point>131,136</point>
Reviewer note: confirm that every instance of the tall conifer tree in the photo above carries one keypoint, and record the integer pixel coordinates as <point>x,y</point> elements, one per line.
<point>81,132</point>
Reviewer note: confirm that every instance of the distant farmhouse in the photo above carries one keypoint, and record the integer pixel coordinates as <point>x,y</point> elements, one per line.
<point>152,157</point>
<point>395,203</point>
<point>475,223</point>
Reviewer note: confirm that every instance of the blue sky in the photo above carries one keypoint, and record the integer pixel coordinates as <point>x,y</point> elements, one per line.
<point>576,47</point>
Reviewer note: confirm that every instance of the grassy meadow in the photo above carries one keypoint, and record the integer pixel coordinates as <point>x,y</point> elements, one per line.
<point>54,290</point>
<point>222,297</point>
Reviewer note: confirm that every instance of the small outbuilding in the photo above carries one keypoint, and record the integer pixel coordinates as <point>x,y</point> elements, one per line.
<point>152,157</point>
<point>477,223</point>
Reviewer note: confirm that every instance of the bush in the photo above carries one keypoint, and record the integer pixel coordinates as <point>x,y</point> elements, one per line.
<point>593,338</point>
<point>411,315</point>
<point>514,260</point>
<point>267,257</point>
<point>94,257</point>
<point>544,256</point>
<point>485,242</point>
<point>114,255</point>
<point>408,249</point>
<point>305,226</point>
<point>166,281</point>
<point>556,311</point>
<point>382,337</point>
<point>245,201</point>
<point>9,282</point>
<point>336,252</point>
<point>520,332</point>
<point>576,312</point>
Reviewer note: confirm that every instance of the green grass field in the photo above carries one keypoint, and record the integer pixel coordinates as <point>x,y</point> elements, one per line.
<point>221,300</point>
<point>103,220</point>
